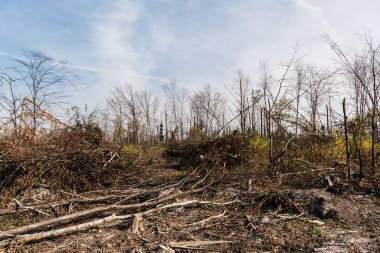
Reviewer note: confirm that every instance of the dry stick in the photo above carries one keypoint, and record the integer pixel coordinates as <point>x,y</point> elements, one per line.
<point>107,191</point>
<point>24,209</point>
<point>110,160</point>
<point>309,171</point>
<point>178,184</point>
<point>281,154</point>
<point>202,180</point>
<point>19,205</point>
<point>208,219</point>
<point>112,157</point>
<point>296,217</point>
<point>193,244</point>
<point>25,238</point>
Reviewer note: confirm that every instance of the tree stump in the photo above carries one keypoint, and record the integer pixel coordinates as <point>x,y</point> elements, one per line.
<point>137,225</point>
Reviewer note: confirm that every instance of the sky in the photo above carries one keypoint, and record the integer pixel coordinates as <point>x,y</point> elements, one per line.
<point>145,43</point>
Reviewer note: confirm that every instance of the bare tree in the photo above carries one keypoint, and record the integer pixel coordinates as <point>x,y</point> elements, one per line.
<point>149,106</point>
<point>124,102</point>
<point>363,67</point>
<point>300,80</point>
<point>276,105</point>
<point>176,99</point>
<point>239,92</point>
<point>10,101</point>
<point>44,77</point>
<point>208,109</point>
<point>318,87</point>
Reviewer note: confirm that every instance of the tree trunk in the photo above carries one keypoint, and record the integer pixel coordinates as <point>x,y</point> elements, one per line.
<point>347,142</point>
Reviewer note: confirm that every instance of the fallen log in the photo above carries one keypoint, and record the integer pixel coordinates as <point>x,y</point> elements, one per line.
<point>79,215</point>
<point>27,238</point>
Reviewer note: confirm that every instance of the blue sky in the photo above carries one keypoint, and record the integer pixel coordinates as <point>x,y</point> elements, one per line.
<point>147,42</point>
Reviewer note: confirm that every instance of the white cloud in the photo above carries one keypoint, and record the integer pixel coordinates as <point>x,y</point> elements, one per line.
<point>112,37</point>
<point>146,43</point>
<point>114,58</point>
<point>314,10</point>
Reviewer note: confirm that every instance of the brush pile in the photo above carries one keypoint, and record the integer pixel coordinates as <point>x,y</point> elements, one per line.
<point>67,159</point>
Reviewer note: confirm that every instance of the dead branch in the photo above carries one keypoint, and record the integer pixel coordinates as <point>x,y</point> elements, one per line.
<point>19,206</point>
<point>194,244</point>
<point>97,200</point>
<point>208,219</point>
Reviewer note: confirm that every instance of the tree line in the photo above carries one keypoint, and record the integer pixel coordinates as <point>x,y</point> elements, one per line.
<point>300,99</point>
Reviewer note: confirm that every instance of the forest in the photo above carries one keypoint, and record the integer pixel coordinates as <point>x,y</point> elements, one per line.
<point>285,162</point>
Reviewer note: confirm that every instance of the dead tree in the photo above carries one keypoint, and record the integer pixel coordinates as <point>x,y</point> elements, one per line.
<point>346,140</point>
<point>176,99</point>
<point>149,105</point>
<point>364,67</point>
<point>239,93</point>
<point>124,100</point>
<point>10,101</point>
<point>208,109</point>
<point>43,77</point>
<point>317,89</point>
<point>300,76</point>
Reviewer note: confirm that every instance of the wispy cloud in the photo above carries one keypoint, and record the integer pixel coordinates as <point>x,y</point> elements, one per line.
<point>145,43</point>
<point>113,34</point>
<point>312,9</point>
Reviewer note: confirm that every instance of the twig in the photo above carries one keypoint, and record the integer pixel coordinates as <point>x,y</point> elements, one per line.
<point>193,244</point>
<point>208,219</point>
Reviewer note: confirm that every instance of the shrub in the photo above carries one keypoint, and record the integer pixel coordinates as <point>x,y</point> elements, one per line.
<point>131,150</point>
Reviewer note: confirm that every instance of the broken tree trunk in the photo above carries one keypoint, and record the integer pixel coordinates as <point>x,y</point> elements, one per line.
<point>137,224</point>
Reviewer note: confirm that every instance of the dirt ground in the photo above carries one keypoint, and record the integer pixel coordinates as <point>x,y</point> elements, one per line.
<point>266,218</point>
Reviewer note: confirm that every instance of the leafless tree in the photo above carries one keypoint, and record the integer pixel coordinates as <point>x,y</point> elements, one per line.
<point>277,104</point>
<point>299,83</point>
<point>10,101</point>
<point>364,68</point>
<point>239,92</point>
<point>124,102</point>
<point>44,78</point>
<point>208,109</point>
<point>149,105</point>
<point>176,99</point>
<point>318,87</point>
